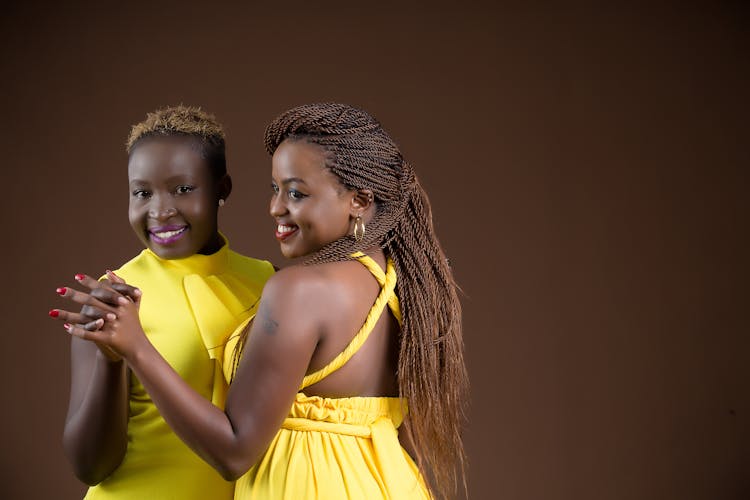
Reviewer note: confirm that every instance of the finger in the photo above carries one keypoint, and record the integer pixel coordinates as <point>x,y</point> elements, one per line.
<point>106,295</point>
<point>90,313</point>
<point>82,333</point>
<point>82,298</point>
<point>79,318</point>
<point>92,308</point>
<point>91,283</point>
<point>113,277</point>
<point>128,290</point>
<point>93,326</point>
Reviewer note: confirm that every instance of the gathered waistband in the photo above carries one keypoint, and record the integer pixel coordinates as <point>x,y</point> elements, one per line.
<point>305,424</point>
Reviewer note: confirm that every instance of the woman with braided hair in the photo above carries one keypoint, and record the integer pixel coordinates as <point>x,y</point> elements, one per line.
<point>360,336</point>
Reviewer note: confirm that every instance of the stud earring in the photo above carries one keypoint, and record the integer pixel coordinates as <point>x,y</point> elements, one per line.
<point>359,229</point>
<point>221,202</point>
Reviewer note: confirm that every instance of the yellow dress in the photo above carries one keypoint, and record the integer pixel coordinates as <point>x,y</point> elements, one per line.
<point>189,308</point>
<point>338,448</point>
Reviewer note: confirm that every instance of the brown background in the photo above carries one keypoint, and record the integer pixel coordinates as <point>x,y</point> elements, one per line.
<point>588,169</point>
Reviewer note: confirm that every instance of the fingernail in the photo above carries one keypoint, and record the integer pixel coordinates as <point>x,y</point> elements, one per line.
<point>122,300</point>
<point>99,322</point>
<point>66,326</point>
<point>111,316</point>
<point>137,292</point>
<point>79,277</point>
<point>54,313</point>
<point>62,290</point>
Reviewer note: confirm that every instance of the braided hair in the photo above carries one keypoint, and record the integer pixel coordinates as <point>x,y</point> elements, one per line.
<point>432,377</point>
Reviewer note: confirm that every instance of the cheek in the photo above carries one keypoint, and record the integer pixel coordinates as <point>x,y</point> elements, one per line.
<point>203,211</point>
<point>138,223</point>
<point>135,215</point>
<point>335,221</point>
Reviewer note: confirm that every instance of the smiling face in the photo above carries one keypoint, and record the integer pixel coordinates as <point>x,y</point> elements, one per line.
<point>310,206</point>
<point>174,198</point>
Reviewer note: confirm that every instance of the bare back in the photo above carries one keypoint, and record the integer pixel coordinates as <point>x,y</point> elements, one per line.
<point>350,293</point>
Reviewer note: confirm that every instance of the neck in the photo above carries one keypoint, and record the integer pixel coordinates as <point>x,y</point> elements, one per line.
<point>213,245</point>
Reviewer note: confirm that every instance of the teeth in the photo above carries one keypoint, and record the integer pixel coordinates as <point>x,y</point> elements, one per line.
<point>285,229</point>
<point>168,234</point>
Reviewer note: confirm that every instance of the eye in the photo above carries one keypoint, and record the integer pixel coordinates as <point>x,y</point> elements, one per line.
<point>141,193</point>
<point>296,195</point>
<point>184,189</point>
<point>274,188</point>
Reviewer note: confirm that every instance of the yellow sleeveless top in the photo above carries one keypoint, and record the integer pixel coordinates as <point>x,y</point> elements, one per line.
<point>189,308</point>
<point>339,448</point>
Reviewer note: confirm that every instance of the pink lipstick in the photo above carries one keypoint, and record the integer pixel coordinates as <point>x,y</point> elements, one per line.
<point>166,235</point>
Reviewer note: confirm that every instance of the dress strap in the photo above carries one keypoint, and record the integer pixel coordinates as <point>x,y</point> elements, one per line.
<point>387,297</point>
<point>379,275</point>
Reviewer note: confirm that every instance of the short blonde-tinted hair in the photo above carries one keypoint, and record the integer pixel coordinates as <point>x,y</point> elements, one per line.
<point>184,121</point>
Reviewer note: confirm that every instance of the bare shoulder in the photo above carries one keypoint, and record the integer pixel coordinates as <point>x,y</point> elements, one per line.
<point>297,301</point>
<point>308,287</point>
<point>303,281</point>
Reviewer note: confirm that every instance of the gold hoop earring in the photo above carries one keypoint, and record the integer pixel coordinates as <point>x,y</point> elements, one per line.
<point>221,202</point>
<point>359,229</point>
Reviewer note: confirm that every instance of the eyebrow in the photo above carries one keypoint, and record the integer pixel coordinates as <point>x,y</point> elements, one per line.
<point>174,178</point>
<point>293,179</point>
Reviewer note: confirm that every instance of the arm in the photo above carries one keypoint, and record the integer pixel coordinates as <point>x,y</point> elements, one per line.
<point>276,358</point>
<point>95,434</point>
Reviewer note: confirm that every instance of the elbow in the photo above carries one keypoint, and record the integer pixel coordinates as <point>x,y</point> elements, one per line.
<point>232,470</point>
<point>229,475</point>
<point>232,473</point>
<point>89,467</point>
<point>231,460</point>
<point>88,471</point>
<point>88,475</point>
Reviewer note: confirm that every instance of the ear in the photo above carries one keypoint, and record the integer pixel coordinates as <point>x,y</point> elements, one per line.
<point>361,202</point>
<point>224,187</point>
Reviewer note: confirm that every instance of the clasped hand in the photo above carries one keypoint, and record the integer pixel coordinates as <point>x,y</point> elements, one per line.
<point>108,316</point>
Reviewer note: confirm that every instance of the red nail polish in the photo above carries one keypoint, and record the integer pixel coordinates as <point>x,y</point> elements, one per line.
<point>62,290</point>
<point>79,277</point>
<point>54,313</point>
<point>66,326</point>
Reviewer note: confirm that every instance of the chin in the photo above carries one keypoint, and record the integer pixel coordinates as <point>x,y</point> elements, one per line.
<point>170,253</point>
<point>289,252</point>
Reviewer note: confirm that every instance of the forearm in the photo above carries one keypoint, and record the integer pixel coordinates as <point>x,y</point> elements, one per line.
<point>206,429</point>
<point>95,435</point>
<point>230,441</point>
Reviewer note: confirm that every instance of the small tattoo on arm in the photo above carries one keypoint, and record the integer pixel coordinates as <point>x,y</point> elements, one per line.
<point>268,324</point>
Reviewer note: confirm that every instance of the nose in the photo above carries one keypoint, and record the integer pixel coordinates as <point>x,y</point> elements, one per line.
<point>162,212</point>
<point>277,207</point>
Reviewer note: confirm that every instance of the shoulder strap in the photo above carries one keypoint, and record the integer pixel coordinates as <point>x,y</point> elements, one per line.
<point>387,297</point>
<point>379,275</point>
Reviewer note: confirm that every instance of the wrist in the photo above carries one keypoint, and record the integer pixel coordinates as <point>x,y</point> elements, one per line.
<point>140,354</point>
<point>111,361</point>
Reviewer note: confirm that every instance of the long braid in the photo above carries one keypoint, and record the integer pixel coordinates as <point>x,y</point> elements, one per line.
<point>431,372</point>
